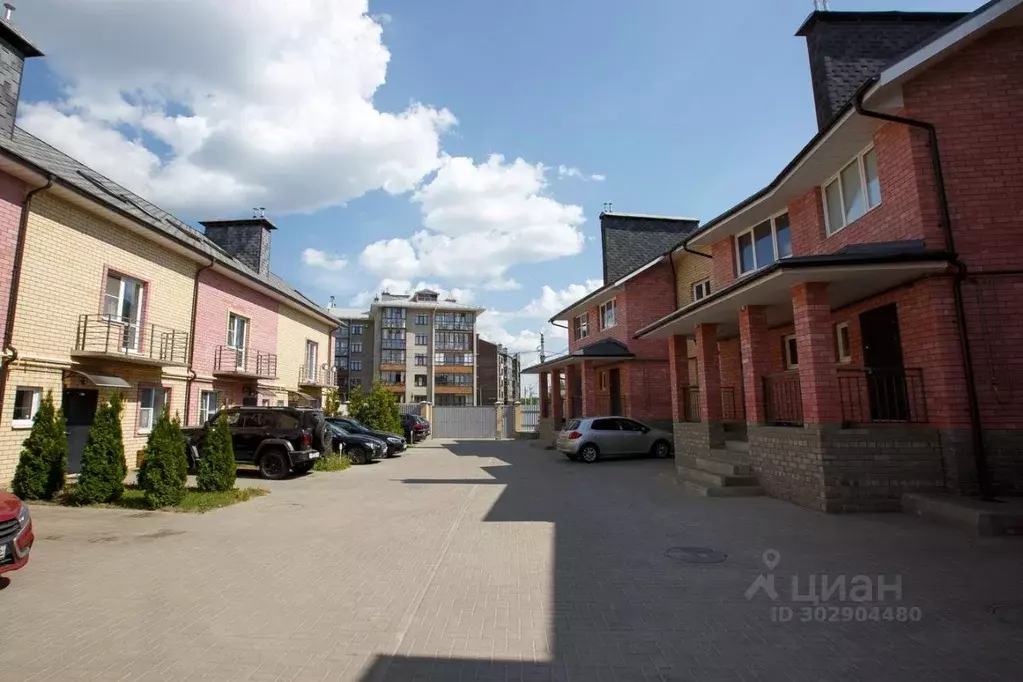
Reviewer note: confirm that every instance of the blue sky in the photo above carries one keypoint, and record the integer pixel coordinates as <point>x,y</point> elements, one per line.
<point>680,108</point>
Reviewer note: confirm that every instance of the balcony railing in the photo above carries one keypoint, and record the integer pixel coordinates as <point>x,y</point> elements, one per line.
<point>152,344</point>
<point>453,362</point>
<point>872,395</point>
<point>392,322</point>
<point>457,325</point>
<point>732,404</point>
<point>783,399</point>
<point>320,375</point>
<point>245,362</point>
<point>393,344</point>
<point>448,345</point>
<point>691,403</point>
<point>392,383</point>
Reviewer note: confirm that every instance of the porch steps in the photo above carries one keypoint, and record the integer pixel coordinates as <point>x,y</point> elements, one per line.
<point>725,473</point>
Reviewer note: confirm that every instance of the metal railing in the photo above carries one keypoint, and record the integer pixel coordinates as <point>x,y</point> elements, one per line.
<point>245,361</point>
<point>783,399</point>
<point>321,375</point>
<point>732,404</point>
<point>873,395</point>
<point>391,382</point>
<point>393,344</point>
<point>153,343</point>
<point>392,322</point>
<point>456,325</point>
<point>452,362</point>
<point>450,345</point>
<point>691,403</point>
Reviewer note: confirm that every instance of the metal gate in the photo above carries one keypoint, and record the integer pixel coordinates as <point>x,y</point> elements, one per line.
<point>411,408</point>
<point>464,422</point>
<point>509,422</point>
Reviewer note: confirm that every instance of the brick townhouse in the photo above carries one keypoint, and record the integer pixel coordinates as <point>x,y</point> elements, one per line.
<point>873,288</point>
<point>105,292</point>
<point>606,370</point>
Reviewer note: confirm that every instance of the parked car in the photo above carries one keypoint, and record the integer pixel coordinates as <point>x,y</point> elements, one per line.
<point>416,427</point>
<point>595,437</point>
<point>278,440</point>
<point>395,443</point>
<point>360,449</point>
<point>16,536</point>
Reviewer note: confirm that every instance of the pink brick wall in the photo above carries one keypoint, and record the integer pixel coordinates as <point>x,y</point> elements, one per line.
<point>12,197</point>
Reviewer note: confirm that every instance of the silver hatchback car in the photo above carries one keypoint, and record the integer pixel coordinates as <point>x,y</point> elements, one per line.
<point>591,438</point>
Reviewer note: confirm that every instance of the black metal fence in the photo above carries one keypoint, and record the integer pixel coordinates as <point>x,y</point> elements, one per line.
<point>109,335</point>
<point>245,361</point>
<point>783,399</point>
<point>733,407</point>
<point>880,395</point>
<point>691,403</point>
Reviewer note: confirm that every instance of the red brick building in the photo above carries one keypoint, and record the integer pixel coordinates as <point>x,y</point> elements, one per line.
<point>875,287</point>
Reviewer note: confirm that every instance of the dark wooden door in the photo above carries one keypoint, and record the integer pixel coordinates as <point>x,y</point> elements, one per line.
<point>79,410</point>
<point>882,357</point>
<point>615,387</point>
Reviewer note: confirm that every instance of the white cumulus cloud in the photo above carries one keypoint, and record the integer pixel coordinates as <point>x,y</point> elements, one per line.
<point>573,172</point>
<point>324,260</point>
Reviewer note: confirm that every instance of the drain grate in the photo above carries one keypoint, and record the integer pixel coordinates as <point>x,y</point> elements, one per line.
<point>696,555</point>
<point>1010,614</point>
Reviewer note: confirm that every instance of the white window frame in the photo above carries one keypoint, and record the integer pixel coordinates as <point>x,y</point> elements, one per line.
<point>204,408</point>
<point>312,353</point>
<point>151,410</point>
<point>582,330</point>
<point>136,323</point>
<point>611,305</point>
<point>859,159</point>
<point>844,350</point>
<point>356,347</point>
<point>234,321</point>
<point>774,245</point>
<point>422,319</point>
<point>422,339</point>
<point>357,329</point>
<point>422,360</point>
<point>37,399</point>
<point>789,340</point>
<point>700,290</point>
<point>356,365</point>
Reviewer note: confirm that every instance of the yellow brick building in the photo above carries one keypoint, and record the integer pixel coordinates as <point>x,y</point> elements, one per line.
<point>305,356</point>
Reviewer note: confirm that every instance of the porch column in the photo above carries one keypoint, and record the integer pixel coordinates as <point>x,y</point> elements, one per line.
<point>589,406</point>
<point>815,346</point>
<point>571,372</point>
<point>544,399</point>
<point>678,371</point>
<point>709,372</point>
<point>557,404</point>
<point>755,340</point>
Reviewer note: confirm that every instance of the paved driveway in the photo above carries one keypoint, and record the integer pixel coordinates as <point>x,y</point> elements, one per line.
<point>491,560</point>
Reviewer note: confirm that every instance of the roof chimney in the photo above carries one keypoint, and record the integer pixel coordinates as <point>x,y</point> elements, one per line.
<point>247,239</point>
<point>847,48</point>
<point>14,50</point>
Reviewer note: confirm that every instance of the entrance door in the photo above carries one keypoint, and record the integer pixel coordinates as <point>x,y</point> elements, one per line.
<point>882,357</point>
<point>79,410</point>
<point>615,387</point>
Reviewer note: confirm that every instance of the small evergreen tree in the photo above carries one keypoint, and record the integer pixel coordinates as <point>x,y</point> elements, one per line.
<point>377,409</point>
<point>43,462</point>
<point>103,467</point>
<point>217,468</point>
<point>164,470</point>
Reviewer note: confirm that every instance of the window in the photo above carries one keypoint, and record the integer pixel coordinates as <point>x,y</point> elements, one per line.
<point>419,397</point>
<point>356,381</point>
<point>581,325</point>
<point>208,405</point>
<point>420,381</point>
<point>357,329</point>
<point>26,404</point>
<point>791,352</point>
<point>311,352</point>
<point>122,303</point>
<point>603,381</point>
<point>762,245</point>
<point>605,425</point>
<point>608,314</point>
<point>422,319</point>
<point>237,337</point>
<point>420,361</point>
<point>852,192</point>
<point>151,402</point>
<point>357,347</point>
<point>452,358</point>
<point>453,341</point>
<point>422,339</point>
<point>453,380</point>
<point>356,367</point>
<point>701,289</point>
<point>842,344</point>
<point>392,357</point>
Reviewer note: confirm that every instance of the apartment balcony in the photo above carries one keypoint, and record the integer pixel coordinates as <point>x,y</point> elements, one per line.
<point>396,386</point>
<point>393,344</point>
<point>245,363</point>
<point>452,390</point>
<point>102,336</point>
<point>393,322</point>
<point>457,325</point>
<point>320,375</point>
<point>463,347</point>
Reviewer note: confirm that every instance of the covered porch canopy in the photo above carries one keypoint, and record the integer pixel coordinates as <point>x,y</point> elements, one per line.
<point>552,402</point>
<point>601,352</point>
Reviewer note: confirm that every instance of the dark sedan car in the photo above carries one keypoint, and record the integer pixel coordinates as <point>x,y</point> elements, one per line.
<point>395,443</point>
<point>416,427</point>
<point>359,448</point>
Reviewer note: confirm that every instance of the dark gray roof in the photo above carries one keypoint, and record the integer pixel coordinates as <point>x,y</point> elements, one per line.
<point>605,348</point>
<point>80,177</point>
<point>631,241</point>
<point>18,40</point>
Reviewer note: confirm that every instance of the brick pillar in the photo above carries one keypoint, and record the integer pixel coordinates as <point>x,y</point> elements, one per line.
<point>678,372</point>
<point>557,400</point>
<point>518,426</point>
<point>815,345</point>
<point>755,341</point>
<point>499,420</point>
<point>709,371</point>
<point>589,401</point>
<point>571,372</point>
<point>545,410</point>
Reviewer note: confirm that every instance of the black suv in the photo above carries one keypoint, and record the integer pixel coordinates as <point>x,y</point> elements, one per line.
<point>278,440</point>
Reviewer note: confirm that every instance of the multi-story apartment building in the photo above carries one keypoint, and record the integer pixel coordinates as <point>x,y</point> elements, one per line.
<point>416,345</point>
<point>353,349</point>
<point>498,370</point>
<point>107,293</point>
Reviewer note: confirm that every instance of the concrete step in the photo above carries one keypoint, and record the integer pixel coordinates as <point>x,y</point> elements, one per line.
<point>716,479</point>
<point>975,516</point>
<point>706,490</point>
<point>737,446</point>
<point>726,466</point>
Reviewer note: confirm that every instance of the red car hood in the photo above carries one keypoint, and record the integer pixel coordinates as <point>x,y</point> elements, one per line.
<point>9,505</point>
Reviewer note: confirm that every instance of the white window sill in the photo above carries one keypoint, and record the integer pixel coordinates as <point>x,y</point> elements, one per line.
<point>21,424</point>
<point>144,432</point>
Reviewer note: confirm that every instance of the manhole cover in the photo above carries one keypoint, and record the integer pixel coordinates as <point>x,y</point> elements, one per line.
<point>1010,614</point>
<point>696,555</point>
